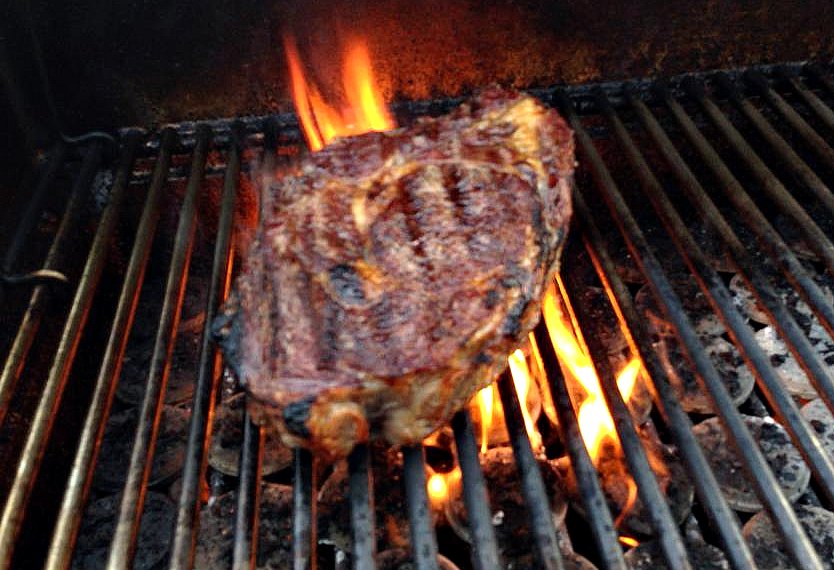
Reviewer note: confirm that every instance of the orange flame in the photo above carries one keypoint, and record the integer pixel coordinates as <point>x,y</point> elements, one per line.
<point>364,110</point>
<point>486,397</point>
<point>442,486</point>
<point>521,380</point>
<point>595,422</point>
<point>629,541</point>
<point>491,412</point>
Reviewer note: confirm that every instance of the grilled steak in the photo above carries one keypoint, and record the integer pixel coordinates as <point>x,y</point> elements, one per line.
<point>394,272</point>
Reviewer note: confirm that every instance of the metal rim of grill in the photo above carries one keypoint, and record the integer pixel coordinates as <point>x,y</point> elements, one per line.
<point>731,133</point>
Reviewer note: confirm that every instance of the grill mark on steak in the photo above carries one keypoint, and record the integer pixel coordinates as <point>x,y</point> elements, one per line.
<point>453,182</point>
<point>410,205</point>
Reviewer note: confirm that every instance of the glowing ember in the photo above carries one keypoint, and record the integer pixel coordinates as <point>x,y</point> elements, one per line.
<point>629,541</point>
<point>437,488</point>
<point>363,110</point>
<point>441,486</point>
<point>595,422</point>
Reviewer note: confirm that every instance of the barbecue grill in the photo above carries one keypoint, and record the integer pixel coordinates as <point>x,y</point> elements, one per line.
<point>715,183</point>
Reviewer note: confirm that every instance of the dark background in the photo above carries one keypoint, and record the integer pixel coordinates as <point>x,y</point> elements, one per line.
<point>113,64</point>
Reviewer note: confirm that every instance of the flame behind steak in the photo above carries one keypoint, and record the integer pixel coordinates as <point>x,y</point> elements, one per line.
<point>394,272</point>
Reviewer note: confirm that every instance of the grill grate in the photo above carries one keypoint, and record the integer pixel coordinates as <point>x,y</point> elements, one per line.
<point>748,154</point>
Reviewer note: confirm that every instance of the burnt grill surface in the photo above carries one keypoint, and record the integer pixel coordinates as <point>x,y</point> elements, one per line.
<point>693,180</point>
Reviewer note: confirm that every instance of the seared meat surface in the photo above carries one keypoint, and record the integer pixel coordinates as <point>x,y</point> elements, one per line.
<point>394,272</point>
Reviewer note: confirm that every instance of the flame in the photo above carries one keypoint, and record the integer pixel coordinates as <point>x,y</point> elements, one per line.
<point>442,486</point>
<point>486,397</point>
<point>595,422</point>
<point>521,380</point>
<point>490,412</point>
<point>364,108</point>
<point>629,541</point>
<point>437,488</point>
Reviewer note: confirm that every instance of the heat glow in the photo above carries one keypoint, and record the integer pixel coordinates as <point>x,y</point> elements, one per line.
<point>363,109</point>
<point>595,422</point>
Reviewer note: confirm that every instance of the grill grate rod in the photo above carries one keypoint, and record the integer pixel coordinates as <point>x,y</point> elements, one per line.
<point>771,185</point>
<point>648,489</point>
<point>209,370</point>
<point>804,436</point>
<point>791,267</point>
<point>797,542</point>
<point>423,539</point>
<point>80,478</point>
<point>123,545</point>
<point>43,419</point>
<point>717,293</point>
<point>475,499</point>
<point>587,478</point>
<point>822,111</point>
<point>650,493</point>
<point>704,481</point>
<point>59,251</point>
<point>814,141</point>
<point>532,484</point>
<point>304,510</point>
<point>248,496</point>
<point>362,509</point>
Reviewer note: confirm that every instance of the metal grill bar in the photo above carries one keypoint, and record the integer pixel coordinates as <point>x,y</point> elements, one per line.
<point>820,109</point>
<point>209,370</point>
<point>248,493</point>
<point>423,540</point>
<point>43,420</point>
<point>774,244</point>
<point>775,190</point>
<point>766,485</point>
<point>660,514</point>
<point>304,511</point>
<point>532,485</point>
<point>706,486</point>
<point>587,479</point>
<point>123,546</point>
<point>815,142</point>
<point>804,436</point>
<point>362,509</point>
<point>485,555</point>
<point>78,485</point>
<point>716,291</point>
<point>55,258</point>
<point>755,219</point>
<point>485,547</point>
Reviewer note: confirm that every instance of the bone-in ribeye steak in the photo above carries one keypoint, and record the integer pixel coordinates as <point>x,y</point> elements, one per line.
<point>394,272</point>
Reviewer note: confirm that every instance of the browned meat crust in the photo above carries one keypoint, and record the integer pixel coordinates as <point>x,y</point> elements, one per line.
<point>394,272</point>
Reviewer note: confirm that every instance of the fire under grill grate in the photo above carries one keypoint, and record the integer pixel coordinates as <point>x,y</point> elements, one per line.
<point>728,166</point>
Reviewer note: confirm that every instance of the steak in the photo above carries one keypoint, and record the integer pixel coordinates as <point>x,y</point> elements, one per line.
<point>393,272</point>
